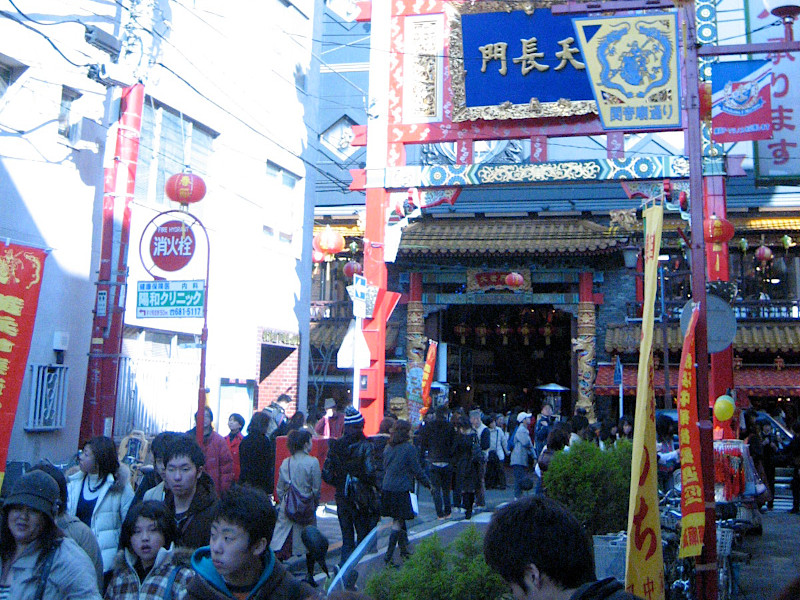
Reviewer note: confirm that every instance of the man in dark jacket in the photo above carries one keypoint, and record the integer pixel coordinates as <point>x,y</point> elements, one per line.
<point>350,459</point>
<point>190,494</point>
<point>540,549</point>
<point>436,442</point>
<point>237,563</point>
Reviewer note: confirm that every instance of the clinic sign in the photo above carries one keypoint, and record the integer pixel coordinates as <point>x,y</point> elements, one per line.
<point>172,246</point>
<point>170,299</point>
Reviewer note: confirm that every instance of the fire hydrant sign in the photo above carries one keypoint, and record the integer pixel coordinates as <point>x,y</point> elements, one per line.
<point>172,246</point>
<point>170,299</point>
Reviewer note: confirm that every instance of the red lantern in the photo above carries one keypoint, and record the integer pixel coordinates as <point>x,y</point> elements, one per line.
<point>514,280</point>
<point>525,331</point>
<point>763,255</point>
<point>504,331</point>
<point>185,188</point>
<point>717,231</point>
<point>315,244</point>
<point>317,256</point>
<point>462,330</point>
<point>330,241</point>
<point>705,100</point>
<point>352,268</point>
<point>482,331</point>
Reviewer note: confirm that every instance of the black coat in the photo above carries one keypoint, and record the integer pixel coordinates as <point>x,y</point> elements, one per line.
<point>257,461</point>
<point>195,531</point>
<point>436,441</point>
<point>466,469</point>
<point>352,454</point>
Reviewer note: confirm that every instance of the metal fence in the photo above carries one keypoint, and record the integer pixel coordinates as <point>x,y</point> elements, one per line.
<point>156,394</point>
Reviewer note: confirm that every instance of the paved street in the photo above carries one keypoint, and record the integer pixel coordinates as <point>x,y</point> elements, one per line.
<point>775,554</point>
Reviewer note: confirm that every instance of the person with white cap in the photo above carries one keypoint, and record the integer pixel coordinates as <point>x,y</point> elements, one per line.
<point>523,449</point>
<point>36,560</point>
<point>332,424</point>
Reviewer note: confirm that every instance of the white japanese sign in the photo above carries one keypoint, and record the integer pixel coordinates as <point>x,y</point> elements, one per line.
<point>170,299</point>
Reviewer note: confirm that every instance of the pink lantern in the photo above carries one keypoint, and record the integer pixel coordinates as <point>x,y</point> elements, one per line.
<point>317,256</point>
<point>763,255</point>
<point>331,241</point>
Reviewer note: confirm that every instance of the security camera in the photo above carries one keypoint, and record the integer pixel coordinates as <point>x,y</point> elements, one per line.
<point>103,41</point>
<point>111,74</point>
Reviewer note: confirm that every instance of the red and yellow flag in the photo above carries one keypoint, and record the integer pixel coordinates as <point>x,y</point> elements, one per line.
<point>427,377</point>
<point>644,573</point>
<point>693,513</point>
<point>20,279</point>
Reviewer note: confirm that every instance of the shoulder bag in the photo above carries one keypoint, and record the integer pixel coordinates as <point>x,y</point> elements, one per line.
<point>299,508</point>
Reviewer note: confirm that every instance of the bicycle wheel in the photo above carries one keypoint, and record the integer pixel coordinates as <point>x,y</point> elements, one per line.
<point>725,581</point>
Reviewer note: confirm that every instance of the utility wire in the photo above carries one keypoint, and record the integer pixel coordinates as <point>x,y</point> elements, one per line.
<point>32,20</point>
<point>9,15</point>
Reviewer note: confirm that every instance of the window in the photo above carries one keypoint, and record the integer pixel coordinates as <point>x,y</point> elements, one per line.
<point>48,398</point>
<point>10,70</point>
<point>170,141</point>
<point>68,96</point>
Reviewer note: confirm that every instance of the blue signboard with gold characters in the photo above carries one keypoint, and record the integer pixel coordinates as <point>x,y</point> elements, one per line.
<point>633,68</point>
<point>512,63</point>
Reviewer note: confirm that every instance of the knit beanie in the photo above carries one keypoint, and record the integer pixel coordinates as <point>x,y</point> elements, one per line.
<point>352,416</point>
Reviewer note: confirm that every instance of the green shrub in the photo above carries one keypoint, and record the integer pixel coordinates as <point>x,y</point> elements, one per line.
<point>437,572</point>
<point>593,484</point>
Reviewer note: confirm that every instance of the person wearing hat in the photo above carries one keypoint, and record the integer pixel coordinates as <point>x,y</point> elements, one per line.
<point>332,424</point>
<point>350,469</point>
<point>522,453</point>
<point>36,559</point>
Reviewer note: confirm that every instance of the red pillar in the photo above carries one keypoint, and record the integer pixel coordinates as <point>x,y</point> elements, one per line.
<point>415,287</point>
<point>119,179</point>
<point>372,398</point>
<point>720,378</point>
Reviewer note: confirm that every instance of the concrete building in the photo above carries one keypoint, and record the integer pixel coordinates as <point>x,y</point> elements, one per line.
<point>231,93</point>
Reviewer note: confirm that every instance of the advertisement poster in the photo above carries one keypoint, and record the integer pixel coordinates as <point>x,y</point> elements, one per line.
<point>741,108</point>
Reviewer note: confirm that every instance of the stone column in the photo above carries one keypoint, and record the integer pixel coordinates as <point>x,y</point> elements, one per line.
<point>415,344</point>
<point>583,345</point>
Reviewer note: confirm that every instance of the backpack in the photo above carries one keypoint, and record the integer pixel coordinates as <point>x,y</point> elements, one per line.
<point>511,437</point>
<point>331,469</point>
<point>476,454</point>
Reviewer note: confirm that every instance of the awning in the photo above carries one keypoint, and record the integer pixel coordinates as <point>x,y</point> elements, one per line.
<point>330,333</point>
<point>753,381</point>
<point>507,237</point>
<point>750,337</point>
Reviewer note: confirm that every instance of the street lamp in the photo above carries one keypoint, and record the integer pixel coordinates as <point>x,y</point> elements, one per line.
<point>786,12</point>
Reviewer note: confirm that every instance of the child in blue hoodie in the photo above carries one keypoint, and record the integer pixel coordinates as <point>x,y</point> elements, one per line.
<point>238,563</point>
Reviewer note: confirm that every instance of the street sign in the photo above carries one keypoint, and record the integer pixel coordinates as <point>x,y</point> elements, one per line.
<point>720,322</point>
<point>172,246</point>
<point>360,287</point>
<point>170,299</point>
<point>354,352</point>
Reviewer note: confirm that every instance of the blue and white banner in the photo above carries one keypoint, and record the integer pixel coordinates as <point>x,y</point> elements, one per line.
<point>740,101</point>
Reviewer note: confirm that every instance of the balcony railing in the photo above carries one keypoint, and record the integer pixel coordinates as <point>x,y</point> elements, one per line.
<point>327,309</point>
<point>751,310</point>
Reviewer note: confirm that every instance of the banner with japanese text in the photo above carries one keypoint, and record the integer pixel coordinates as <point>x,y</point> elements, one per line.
<point>777,160</point>
<point>20,280</point>
<point>427,377</point>
<point>644,573</point>
<point>633,69</point>
<point>741,107</point>
<point>693,512</point>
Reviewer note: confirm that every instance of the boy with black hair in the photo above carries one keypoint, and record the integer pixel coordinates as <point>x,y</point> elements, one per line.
<point>190,494</point>
<point>541,550</point>
<point>238,563</point>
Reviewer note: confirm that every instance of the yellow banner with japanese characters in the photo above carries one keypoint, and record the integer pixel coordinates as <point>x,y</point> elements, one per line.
<point>633,69</point>
<point>644,573</point>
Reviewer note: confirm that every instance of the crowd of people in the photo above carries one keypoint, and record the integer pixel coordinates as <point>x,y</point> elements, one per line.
<point>218,519</point>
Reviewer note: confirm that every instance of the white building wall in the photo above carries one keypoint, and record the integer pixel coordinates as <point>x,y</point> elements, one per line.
<point>246,65</point>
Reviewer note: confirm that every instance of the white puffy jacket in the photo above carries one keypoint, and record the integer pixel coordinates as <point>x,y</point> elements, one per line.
<point>112,505</point>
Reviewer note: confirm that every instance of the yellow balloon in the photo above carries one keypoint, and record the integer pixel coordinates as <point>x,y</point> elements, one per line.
<point>724,407</point>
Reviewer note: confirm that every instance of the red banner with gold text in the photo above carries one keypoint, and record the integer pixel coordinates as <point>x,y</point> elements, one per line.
<point>427,377</point>
<point>693,512</point>
<point>20,279</point>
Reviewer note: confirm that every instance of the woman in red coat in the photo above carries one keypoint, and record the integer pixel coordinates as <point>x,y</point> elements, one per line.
<point>235,437</point>
<point>219,462</point>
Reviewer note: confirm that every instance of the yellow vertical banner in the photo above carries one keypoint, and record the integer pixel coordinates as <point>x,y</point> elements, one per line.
<point>644,573</point>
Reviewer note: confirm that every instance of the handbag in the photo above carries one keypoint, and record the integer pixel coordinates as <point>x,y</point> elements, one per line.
<point>299,508</point>
<point>414,502</point>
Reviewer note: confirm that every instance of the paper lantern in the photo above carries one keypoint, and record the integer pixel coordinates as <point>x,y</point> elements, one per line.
<point>763,255</point>
<point>331,241</point>
<point>462,330</point>
<point>317,256</point>
<point>185,188</point>
<point>514,280</point>
<point>482,331</point>
<point>786,242</point>
<point>724,408</point>
<point>352,268</point>
<point>717,231</point>
<point>504,331</point>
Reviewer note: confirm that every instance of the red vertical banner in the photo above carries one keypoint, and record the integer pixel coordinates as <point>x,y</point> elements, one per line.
<point>20,280</point>
<point>693,509</point>
<point>427,377</point>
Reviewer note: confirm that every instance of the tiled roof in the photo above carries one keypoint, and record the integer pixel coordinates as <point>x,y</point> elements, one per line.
<point>755,381</point>
<point>506,236</point>
<point>750,337</point>
<point>327,333</point>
